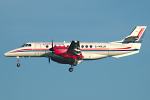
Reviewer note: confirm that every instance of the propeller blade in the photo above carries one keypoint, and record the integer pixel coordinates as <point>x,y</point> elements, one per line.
<point>52,44</point>
<point>52,49</point>
<point>49,59</point>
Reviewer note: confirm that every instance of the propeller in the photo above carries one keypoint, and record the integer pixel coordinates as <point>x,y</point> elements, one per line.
<point>52,49</point>
<point>49,60</point>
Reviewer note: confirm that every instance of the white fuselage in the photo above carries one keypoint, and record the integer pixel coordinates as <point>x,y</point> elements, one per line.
<point>90,51</point>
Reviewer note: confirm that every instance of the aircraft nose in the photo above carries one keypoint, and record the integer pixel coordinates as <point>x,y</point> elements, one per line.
<point>5,54</point>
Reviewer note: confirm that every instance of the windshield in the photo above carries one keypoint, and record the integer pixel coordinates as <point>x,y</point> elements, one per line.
<point>26,45</point>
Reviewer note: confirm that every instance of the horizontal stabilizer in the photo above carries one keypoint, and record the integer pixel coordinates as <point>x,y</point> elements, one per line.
<point>131,38</point>
<point>127,54</point>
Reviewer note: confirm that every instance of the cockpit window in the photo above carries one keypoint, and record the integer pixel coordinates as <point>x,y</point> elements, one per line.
<point>26,45</point>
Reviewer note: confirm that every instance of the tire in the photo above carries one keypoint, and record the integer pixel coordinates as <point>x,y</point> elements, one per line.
<point>18,65</point>
<point>75,63</point>
<point>70,69</point>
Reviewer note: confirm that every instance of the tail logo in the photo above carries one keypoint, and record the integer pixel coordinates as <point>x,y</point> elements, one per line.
<point>140,33</point>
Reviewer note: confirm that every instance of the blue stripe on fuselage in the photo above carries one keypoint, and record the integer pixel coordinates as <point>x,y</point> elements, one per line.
<point>81,50</point>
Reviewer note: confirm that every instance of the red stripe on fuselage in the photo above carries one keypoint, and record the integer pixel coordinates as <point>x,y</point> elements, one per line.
<point>81,49</point>
<point>121,48</point>
<point>27,50</point>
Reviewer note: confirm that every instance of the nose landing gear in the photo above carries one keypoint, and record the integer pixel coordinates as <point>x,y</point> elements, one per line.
<point>18,64</point>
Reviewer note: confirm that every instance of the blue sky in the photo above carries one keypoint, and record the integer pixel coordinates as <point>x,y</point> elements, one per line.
<point>126,78</point>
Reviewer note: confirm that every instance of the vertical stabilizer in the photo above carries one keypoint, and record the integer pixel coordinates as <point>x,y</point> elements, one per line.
<point>136,35</point>
<point>134,40</point>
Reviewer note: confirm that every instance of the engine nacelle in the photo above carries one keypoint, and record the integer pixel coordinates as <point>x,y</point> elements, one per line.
<point>60,50</point>
<point>63,57</point>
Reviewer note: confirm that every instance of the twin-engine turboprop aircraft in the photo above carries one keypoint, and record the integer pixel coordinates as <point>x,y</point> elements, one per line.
<point>75,53</point>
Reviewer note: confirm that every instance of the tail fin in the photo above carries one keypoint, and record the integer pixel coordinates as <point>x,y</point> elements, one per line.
<point>135,38</point>
<point>136,35</point>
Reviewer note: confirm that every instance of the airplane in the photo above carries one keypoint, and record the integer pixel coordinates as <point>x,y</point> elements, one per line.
<point>75,52</point>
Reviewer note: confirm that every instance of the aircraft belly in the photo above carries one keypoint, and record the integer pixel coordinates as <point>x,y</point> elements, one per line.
<point>26,54</point>
<point>112,53</point>
<point>94,55</point>
<point>43,54</point>
<point>31,54</point>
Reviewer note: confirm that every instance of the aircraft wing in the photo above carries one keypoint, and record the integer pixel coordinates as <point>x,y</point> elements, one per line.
<point>73,53</point>
<point>74,48</point>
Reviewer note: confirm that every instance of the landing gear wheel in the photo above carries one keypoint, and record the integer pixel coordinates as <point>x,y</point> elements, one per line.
<point>75,63</point>
<point>18,65</point>
<point>70,69</point>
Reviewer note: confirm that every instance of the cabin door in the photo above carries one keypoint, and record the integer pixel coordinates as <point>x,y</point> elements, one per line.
<point>38,49</point>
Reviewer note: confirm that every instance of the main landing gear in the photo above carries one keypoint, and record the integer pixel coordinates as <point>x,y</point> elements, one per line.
<point>71,68</point>
<point>18,64</point>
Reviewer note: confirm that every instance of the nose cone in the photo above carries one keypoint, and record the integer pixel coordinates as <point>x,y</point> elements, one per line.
<point>6,54</point>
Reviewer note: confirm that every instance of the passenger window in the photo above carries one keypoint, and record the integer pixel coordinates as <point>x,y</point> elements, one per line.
<point>67,45</point>
<point>47,46</point>
<point>29,45</point>
<point>90,46</point>
<point>86,46</point>
<point>82,46</point>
